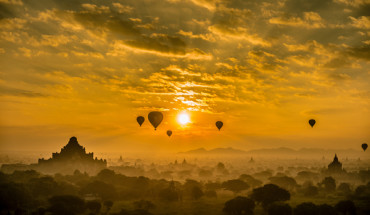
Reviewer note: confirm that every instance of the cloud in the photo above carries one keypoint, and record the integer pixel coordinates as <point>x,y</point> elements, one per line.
<point>209,4</point>
<point>122,8</point>
<point>12,23</point>
<point>299,6</point>
<point>206,37</point>
<point>12,2</point>
<point>354,3</point>
<point>339,62</point>
<point>233,24</point>
<point>173,47</point>
<point>323,111</point>
<point>264,61</point>
<point>124,29</point>
<point>6,11</point>
<point>316,55</point>
<point>361,52</point>
<point>115,24</point>
<point>362,22</point>
<point>309,20</point>
<point>56,40</point>
<point>230,34</point>
<point>160,43</point>
<point>95,8</point>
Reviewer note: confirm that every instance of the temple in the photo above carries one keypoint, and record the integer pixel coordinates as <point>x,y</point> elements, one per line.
<point>335,166</point>
<point>73,156</point>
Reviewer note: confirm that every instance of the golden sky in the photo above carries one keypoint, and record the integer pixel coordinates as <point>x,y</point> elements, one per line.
<point>264,68</point>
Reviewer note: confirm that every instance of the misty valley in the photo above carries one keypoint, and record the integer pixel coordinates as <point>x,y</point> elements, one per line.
<point>220,181</point>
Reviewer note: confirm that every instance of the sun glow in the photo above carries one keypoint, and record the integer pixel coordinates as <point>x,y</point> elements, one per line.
<point>183,118</point>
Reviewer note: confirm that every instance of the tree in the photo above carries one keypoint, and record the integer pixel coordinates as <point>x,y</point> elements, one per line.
<point>44,186</point>
<point>346,207</point>
<point>66,204</point>
<point>360,190</point>
<point>3,178</point>
<point>193,189</point>
<point>212,186</point>
<point>235,185</point>
<point>310,191</point>
<point>102,189</point>
<point>269,193</point>
<point>196,193</point>
<point>306,175</point>
<point>189,184</point>
<point>239,205</point>
<point>13,196</point>
<point>250,180</point>
<point>144,204</point>
<point>210,194</point>
<point>284,182</point>
<point>24,176</point>
<point>306,208</point>
<point>345,188</point>
<point>220,168</point>
<point>108,205</point>
<point>106,175</point>
<point>205,173</point>
<point>329,184</point>
<point>279,209</point>
<point>170,193</point>
<point>133,212</point>
<point>93,206</point>
<point>263,174</point>
<point>326,210</point>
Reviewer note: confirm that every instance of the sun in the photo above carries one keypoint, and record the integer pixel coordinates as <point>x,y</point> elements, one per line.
<point>183,118</point>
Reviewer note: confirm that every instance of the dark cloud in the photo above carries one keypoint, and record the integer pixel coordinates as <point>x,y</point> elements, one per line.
<point>339,76</point>
<point>324,111</point>
<point>162,43</point>
<point>361,52</point>
<point>126,29</point>
<point>296,6</point>
<point>50,4</point>
<point>9,10</point>
<point>362,10</point>
<point>338,62</point>
<point>8,91</point>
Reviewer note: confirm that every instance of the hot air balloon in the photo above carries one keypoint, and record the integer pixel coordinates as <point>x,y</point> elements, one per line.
<point>219,124</point>
<point>169,133</point>
<point>364,146</point>
<point>155,118</point>
<point>312,122</point>
<point>140,120</point>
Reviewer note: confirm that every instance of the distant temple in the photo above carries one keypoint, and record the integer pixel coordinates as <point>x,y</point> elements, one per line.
<point>335,166</point>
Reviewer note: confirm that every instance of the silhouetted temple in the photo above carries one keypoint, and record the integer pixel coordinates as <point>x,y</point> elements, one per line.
<point>71,157</point>
<point>335,166</point>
